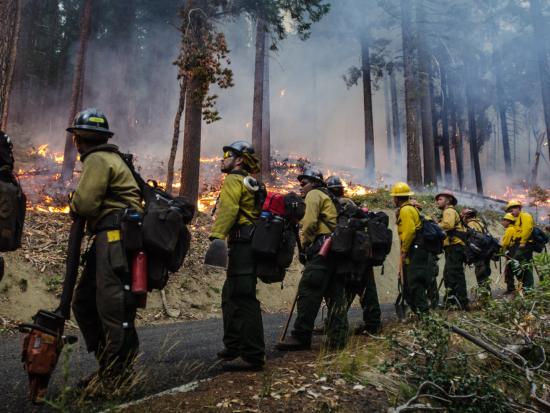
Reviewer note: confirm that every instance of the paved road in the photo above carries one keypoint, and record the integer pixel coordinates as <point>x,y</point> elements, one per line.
<point>173,354</point>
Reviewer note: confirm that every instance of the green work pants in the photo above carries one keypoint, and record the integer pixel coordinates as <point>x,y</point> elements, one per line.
<point>368,297</point>
<point>433,290</point>
<point>523,268</point>
<point>105,307</point>
<point>483,272</point>
<point>453,273</point>
<point>243,331</point>
<point>319,281</point>
<point>418,274</point>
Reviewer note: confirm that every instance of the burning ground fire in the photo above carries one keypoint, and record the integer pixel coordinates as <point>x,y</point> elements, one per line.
<point>41,172</point>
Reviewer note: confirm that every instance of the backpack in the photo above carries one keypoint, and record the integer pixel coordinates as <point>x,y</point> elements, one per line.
<point>540,239</point>
<point>13,201</point>
<point>275,234</point>
<point>431,236</point>
<point>480,246</point>
<point>166,238</point>
<point>380,237</point>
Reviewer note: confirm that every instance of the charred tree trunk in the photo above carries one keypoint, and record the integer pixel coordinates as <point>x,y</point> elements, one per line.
<point>259,71</point>
<point>367,109</point>
<point>70,150</point>
<point>436,116</point>
<point>387,113</point>
<point>535,170</point>
<point>396,129</point>
<point>190,167</point>
<point>456,138</point>
<point>472,133</point>
<point>266,121</point>
<point>10,15</point>
<point>501,106</point>
<point>542,60</point>
<point>425,99</point>
<point>514,133</point>
<point>445,129</point>
<point>176,136</point>
<point>414,163</point>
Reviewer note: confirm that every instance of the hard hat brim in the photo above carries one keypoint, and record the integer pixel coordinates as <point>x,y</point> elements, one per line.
<point>300,177</point>
<point>101,131</point>
<point>453,199</point>
<point>401,194</point>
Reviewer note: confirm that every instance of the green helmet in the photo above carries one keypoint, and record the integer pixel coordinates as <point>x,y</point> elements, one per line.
<point>91,120</point>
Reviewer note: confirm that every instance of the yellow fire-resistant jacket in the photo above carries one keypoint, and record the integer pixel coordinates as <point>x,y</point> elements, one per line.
<point>523,227</point>
<point>476,225</point>
<point>508,237</point>
<point>104,172</point>
<point>320,216</point>
<point>449,222</point>
<point>236,205</point>
<point>408,224</point>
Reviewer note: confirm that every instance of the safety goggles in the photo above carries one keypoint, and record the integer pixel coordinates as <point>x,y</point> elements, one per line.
<point>228,154</point>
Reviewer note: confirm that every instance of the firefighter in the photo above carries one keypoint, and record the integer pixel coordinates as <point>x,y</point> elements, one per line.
<point>433,291</point>
<point>103,304</point>
<point>482,268</point>
<point>453,272</point>
<point>416,263</point>
<point>236,211</point>
<point>319,279</point>
<point>508,221</point>
<point>363,283</point>
<point>522,249</point>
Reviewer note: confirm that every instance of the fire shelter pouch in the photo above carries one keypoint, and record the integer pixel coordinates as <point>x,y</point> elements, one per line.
<point>268,235</point>
<point>161,229</point>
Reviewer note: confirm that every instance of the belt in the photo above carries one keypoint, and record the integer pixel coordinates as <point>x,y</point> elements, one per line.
<point>242,233</point>
<point>111,221</point>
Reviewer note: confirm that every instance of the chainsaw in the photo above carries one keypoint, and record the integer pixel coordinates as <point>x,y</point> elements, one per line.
<point>45,339</point>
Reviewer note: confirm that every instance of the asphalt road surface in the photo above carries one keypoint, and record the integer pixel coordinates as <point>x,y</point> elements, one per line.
<point>172,355</point>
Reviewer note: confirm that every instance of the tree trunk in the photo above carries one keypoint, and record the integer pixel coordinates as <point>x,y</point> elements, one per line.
<point>70,150</point>
<point>514,133</point>
<point>396,129</point>
<point>542,60</point>
<point>501,107</point>
<point>190,167</point>
<point>534,171</point>
<point>266,120</point>
<point>259,71</point>
<point>387,113</point>
<point>367,110</point>
<point>445,126</point>
<point>414,164</point>
<point>5,104</point>
<point>176,135</point>
<point>425,98</point>
<point>436,116</point>
<point>456,138</point>
<point>472,133</point>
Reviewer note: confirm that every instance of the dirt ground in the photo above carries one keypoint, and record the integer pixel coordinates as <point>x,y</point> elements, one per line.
<point>35,272</point>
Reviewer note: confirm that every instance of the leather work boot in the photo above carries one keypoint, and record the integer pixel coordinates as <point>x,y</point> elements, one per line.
<point>227,354</point>
<point>291,343</point>
<point>239,364</point>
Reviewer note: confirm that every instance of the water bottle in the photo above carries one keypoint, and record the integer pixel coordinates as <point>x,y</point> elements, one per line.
<point>325,248</point>
<point>139,273</point>
<point>265,215</point>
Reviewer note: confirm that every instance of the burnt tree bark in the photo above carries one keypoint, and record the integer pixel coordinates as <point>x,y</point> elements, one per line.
<point>445,129</point>
<point>10,12</point>
<point>266,122</point>
<point>436,117</point>
<point>176,135</point>
<point>258,103</point>
<point>396,129</point>
<point>456,136</point>
<point>367,109</point>
<point>501,106</point>
<point>69,158</point>
<point>472,133</point>
<point>425,98</point>
<point>542,60</point>
<point>414,163</point>
<point>387,114</point>
<point>190,167</point>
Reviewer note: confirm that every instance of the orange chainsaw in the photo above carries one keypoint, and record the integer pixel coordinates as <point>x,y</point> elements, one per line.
<point>44,338</point>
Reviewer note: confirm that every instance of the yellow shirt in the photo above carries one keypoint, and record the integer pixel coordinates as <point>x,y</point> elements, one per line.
<point>507,238</point>
<point>449,222</point>
<point>524,227</point>
<point>236,205</point>
<point>408,224</point>
<point>320,216</point>
<point>476,225</point>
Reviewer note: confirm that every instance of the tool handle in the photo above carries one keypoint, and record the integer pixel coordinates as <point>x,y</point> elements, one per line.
<point>71,269</point>
<point>285,330</point>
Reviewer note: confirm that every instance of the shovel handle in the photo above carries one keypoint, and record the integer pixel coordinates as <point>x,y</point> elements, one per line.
<point>285,330</point>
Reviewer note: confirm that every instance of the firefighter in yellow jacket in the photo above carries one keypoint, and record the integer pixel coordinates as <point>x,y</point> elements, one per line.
<point>103,304</point>
<point>417,264</point>
<point>236,211</point>
<point>522,248</point>
<point>508,221</point>
<point>453,272</point>
<point>319,279</point>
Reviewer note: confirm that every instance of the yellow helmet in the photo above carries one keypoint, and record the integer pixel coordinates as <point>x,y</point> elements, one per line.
<point>513,203</point>
<point>401,189</point>
<point>509,217</point>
